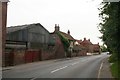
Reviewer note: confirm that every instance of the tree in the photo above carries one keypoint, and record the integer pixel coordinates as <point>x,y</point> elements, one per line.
<point>110,26</point>
<point>103,48</point>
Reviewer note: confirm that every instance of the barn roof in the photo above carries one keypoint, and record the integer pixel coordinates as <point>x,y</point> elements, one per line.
<point>20,27</point>
<point>4,1</point>
<point>15,28</point>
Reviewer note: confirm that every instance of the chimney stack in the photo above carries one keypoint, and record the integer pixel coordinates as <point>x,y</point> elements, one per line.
<point>80,39</point>
<point>84,39</point>
<point>68,32</point>
<point>57,28</point>
<point>98,43</point>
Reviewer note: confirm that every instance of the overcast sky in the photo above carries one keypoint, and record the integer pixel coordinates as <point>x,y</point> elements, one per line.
<point>78,16</point>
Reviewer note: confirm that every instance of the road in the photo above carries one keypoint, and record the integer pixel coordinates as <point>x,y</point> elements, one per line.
<point>77,67</point>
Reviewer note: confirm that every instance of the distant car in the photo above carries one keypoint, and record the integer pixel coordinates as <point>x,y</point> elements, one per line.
<point>89,54</point>
<point>108,53</point>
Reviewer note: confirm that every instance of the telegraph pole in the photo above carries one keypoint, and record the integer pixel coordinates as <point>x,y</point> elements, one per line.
<point>3,23</point>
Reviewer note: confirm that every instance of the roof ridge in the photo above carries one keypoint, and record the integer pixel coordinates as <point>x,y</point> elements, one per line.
<point>20,27</point>
<point>67,35</point>
<point>23,25</point>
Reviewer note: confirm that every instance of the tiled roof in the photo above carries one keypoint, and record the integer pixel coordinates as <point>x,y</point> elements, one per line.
<point>79,41</point>
<point>77,47</point>
<point>68,36</point>
<point>96,45</point>
<point>86,42</point>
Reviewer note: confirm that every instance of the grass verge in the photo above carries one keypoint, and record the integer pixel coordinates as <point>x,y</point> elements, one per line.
<point>114,70</point>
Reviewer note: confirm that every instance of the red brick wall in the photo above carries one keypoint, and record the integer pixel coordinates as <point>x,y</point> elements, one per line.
<point>9,58</point>
<point>83,52</point>
<point>19,57</point>
<point>59,48</point>
<point>74,54</point>
<point>91,48</point>
<point>32,56</point>
<point>47,55</point>
<point>96,48</point>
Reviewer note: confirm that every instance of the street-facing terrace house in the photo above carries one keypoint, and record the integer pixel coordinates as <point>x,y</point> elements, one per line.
<point>96,48</point>
<point>28,43</point>
<point>80,49</point>
<point>90,47</point>
<point>65,41</point>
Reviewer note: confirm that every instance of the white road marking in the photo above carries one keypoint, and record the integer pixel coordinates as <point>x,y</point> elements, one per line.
<point>58,69</point>
<point>63,67</point>
<point>100,70</point>
<point>75,63</point>
<point>33,79</point>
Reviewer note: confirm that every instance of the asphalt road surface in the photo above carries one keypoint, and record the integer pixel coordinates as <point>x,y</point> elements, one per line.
<point>77,67</point>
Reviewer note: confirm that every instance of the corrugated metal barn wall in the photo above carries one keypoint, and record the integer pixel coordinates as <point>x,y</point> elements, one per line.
<point>20,35</point>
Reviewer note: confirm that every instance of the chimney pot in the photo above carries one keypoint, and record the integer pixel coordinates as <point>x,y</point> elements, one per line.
<point>80,39</point>
<point>57,27</point>
<point>84,38</point>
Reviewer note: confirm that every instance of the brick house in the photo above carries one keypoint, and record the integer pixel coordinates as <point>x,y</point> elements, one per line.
<point>61,50</point>
<point>96,48</point>
<point>82,51</point>
<point>58,47</point>
<point>90,47</point>
<point>75,48</point>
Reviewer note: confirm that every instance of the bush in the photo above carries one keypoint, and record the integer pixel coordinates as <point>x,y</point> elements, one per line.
<point>113,58</point>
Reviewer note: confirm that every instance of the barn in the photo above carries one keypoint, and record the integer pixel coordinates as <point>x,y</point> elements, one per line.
<point>35,35</point>
<point>27,43</point>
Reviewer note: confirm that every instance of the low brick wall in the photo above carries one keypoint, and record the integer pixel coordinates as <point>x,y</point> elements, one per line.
<point>32,56</point>
<point>60,53</point>
<point>16,57</point>
<point>9,58</point>
<point>19,57</point>
<point>45,55</point>
<point>74,54</point>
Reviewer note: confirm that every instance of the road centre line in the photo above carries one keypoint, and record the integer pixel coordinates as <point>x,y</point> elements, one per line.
<point>58,69</point>
<point>75,63</point>
<point>63,67</point>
